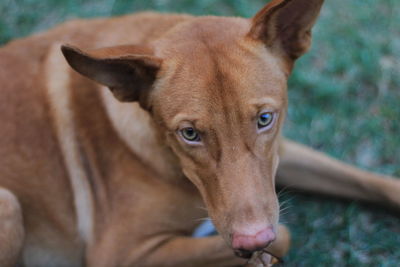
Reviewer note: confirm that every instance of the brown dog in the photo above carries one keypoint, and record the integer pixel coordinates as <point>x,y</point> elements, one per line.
<point>90,181</point>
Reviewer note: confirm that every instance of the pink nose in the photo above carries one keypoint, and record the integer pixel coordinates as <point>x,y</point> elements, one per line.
<point>253,242</point>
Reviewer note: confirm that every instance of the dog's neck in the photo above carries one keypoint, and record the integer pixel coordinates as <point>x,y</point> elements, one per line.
<point>136,128</point>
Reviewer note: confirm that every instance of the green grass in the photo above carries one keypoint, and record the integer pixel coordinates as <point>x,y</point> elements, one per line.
<point>344,100</point>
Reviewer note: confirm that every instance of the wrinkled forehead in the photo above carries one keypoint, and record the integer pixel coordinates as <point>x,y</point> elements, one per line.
<point>241,76</point>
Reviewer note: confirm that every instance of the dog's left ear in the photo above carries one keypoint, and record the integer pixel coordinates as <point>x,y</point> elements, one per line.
<point>129,71</point>
<point>286,25</point>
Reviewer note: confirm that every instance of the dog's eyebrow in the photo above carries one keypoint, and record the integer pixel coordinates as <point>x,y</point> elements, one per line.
<point>266,102</point>
<point>177,119</point>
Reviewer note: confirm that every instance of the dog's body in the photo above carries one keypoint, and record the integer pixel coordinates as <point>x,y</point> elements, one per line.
<point>90,181</point>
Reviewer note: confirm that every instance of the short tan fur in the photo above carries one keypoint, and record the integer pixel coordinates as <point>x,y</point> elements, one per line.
<point>190,128</point>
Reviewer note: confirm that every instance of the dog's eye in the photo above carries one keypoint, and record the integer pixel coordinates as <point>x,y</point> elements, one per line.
<point>265,120</point>
<point>190,134</point>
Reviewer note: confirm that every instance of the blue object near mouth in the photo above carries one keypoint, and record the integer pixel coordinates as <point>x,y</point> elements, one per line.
<point>207,228</point>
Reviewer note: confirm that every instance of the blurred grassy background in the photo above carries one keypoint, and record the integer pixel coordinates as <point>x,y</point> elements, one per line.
<point>344,100</point>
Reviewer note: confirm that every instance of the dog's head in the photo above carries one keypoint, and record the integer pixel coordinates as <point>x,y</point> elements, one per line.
<point>216,88</point>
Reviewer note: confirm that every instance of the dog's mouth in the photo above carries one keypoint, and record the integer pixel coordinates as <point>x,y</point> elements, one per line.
<point>250,254</point>
<point>243,253</point>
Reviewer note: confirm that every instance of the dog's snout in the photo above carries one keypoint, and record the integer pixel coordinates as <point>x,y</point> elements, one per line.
<point>244,244</point>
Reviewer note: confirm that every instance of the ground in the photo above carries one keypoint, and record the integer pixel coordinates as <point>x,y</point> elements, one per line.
<point>344,100</point>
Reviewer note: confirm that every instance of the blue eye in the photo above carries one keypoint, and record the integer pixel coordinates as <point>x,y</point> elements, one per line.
<point>265,119</point>
<point>190,134</point>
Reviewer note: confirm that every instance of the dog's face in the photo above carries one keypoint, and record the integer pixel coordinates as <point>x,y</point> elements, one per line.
<point>222,117</point>
<point>216,88</point>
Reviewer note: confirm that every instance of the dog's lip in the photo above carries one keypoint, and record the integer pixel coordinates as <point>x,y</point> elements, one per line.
<point>243,253</point>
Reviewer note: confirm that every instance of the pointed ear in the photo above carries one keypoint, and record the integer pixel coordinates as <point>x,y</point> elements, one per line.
<point>129,71</point>
<point>286,25</point>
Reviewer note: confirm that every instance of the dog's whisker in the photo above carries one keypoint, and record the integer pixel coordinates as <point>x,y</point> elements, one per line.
<point>285,208</point>
<point>283,191</point>
<point>286,201</point>
<point>202,208</point>
<point>202,219</point>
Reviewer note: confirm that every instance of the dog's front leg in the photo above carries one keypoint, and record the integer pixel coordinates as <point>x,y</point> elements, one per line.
<point>306,169</point>
<point>208,251</point>
<point>11,228</point>
<point>179,251</point>
<point>187,251</point>
<point>159,251</point>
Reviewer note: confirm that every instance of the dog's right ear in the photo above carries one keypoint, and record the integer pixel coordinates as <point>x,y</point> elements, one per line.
<point>129,71</point>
